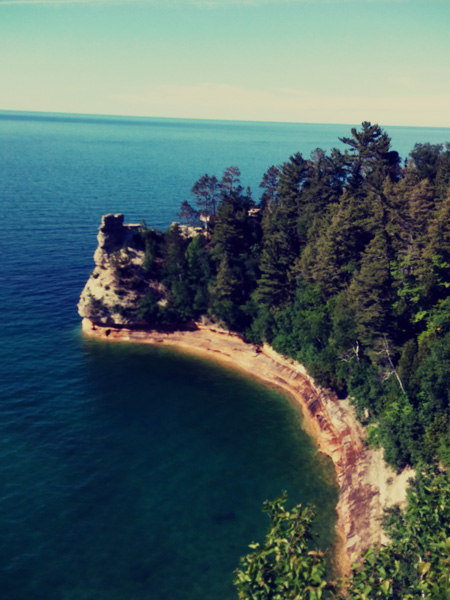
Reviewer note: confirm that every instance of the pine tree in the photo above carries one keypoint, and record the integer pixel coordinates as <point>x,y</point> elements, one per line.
<point>231,182</point>
<point>322,186</point>
<point>370,158</point>
<point>439,230</point>
<point>336,253</point>
<point>432,162</point>
<point>411,207</point>
<point>226,294</point>
<point>292,176</point>
<point>206,192</point>
<point>370,294</point>
<point>269,184</point>
<point>228,236</point>
<point>175,276</point>
<point>274,284</point>
<point>198,274</point>
<point>188,214</point>
<point>281,242</point>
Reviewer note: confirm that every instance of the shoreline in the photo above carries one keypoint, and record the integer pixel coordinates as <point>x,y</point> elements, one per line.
<point>366,484</point>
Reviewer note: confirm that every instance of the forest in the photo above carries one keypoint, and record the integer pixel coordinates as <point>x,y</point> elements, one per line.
<point>343,264</point>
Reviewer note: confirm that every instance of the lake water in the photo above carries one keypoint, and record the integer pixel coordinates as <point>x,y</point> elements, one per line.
<point>127,472</point>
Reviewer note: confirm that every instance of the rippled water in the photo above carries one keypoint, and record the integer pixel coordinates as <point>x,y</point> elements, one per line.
<point>128,472</point>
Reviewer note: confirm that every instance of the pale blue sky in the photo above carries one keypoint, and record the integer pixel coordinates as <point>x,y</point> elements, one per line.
<point>324,61</point>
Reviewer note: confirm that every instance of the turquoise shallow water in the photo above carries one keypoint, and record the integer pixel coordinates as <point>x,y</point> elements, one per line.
<point>130,472</point>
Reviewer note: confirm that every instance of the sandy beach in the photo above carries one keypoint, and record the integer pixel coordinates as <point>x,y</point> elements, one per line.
<point>366,484</point>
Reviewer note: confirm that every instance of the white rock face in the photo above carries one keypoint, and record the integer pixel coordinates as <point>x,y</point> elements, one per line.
<point>113,235</point>
<point>118,281</point>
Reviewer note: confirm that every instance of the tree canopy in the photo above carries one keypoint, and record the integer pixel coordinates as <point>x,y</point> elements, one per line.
<point>344,265</point>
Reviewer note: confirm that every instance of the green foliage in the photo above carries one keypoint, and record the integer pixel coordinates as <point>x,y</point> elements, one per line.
<point>198,274</point>
<point>283,567</point>
<point>188,214</point>
<point>344,266</point>
<point>262,322</point>
<point>120,263</point>
<point>97,307</point>
<point>274,283</point>
<point>368,292</point>
<point>414,565</point>
<point>147,308</point>
<point>373,437</point>
<point>370,158</point>
<point>175,277</point>
<point>206,192</point>
<point>269,184</point>
<point>432,162</point>
<point>337,250</point>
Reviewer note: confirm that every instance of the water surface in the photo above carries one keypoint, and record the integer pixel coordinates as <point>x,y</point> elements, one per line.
<point>130,472</point>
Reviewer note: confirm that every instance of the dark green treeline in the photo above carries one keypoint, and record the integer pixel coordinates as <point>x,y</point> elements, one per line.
<point>343,265</point>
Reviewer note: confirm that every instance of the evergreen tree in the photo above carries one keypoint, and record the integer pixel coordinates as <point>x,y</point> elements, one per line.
<point>228,236</point>
<point>274,284</point>
<point>174,277</point>
<point>424,161</point>
<point>188,214</point>
<point>198,274</point>
<point>226,294</point>
<point>235,243</point>
<point>292,176</point>
<point>370,158</point>
<point>432,162</point>
<point>370,294</point>
<point>231,182</point>
<point>269,184</point>
<point>281,242</point>
<point>412,206</point>
<point>322,186</point>
<point>334,256</point>
<point>439,231</point>
<point>206,192</point>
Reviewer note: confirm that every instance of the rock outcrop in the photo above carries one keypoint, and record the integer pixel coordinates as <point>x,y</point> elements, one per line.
<point>113,236</point>
<point>114,288</point>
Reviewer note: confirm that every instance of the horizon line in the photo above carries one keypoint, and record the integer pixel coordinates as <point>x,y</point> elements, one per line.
<point>129,116</point>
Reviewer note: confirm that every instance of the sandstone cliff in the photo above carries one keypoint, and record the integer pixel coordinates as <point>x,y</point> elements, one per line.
<point>118,281</point>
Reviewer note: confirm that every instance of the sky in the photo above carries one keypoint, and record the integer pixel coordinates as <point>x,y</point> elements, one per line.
<point>304,61</point>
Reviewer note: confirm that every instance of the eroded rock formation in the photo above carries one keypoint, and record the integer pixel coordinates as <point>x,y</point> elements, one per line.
<point>118,281</point>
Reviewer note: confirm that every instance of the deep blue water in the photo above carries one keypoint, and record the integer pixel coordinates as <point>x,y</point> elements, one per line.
<point>131,473</point>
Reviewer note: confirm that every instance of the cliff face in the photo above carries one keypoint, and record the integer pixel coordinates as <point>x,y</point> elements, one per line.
<point>367,485</point>
<point>118,281</point>
<point>113,235</point>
